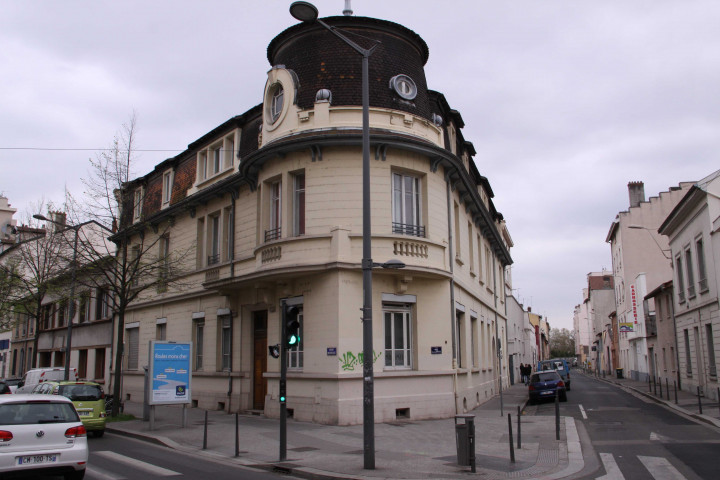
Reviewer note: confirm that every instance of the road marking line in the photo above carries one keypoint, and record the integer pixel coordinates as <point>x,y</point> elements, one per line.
<point>100,473</point>
<point>148,467</point>
<point>582,410</point>
<point>613,471</point>
<point>660,468</point>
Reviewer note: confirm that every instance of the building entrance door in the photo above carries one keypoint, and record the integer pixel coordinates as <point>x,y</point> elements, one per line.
<point>259,359</point>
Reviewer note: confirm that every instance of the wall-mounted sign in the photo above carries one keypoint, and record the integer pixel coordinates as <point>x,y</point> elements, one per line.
<point>436,350</point>
<point>169,372</point>
<point>331,351</point>
<point>626,327</point>
<point>634,302</point>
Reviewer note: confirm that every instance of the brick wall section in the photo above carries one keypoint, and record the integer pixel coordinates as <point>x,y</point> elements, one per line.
<point>321,60</point>
<point>153,196</point>
<point>184,178</point>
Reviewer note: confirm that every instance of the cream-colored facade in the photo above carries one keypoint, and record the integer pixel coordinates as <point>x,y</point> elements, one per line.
<point>283,221</point>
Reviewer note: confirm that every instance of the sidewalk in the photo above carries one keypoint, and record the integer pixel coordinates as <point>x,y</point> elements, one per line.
<point>687,403</point>
<point>404,449</point>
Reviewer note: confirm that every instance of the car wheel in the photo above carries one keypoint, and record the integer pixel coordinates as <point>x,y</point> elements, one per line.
<point>76,475</point>
<point>98,433</point>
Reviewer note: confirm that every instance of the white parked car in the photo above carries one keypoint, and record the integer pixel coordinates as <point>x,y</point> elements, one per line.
<point>41,435</point>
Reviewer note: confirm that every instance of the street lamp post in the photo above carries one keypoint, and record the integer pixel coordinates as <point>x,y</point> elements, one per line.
<point>73,274</point>
<point>308,13</point>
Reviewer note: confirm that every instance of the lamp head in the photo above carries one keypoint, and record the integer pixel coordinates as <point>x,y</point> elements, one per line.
<point>40,217</point>
<point>304,11</point>
<point>393,264</point>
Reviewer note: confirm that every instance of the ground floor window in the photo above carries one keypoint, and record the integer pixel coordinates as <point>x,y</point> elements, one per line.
<point>295,353</point>
<point>398,345</point>
<point>133,342</point>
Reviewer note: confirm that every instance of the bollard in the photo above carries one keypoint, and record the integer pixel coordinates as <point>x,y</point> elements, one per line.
<point>654,386</point>
<point>205,433</point>
<point>512,452</point>
<point>237,436</point>
<point>520,415</point>
<point>675,389</point>
<point>718,397</point>
<point>649,384</point>
<point>699,401</point>
<point>557,416</point>
<point>667,389</point>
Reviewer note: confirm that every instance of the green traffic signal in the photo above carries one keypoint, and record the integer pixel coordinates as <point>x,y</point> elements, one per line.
<point>282,399</point>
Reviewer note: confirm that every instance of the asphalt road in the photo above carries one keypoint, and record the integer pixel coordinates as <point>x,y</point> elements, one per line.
<point>628,436</point>
<point>116,457</point>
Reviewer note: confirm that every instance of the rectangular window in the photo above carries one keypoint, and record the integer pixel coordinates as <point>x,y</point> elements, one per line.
<point>456,213</point>
<point>82,363</point>
<point>227,233</point>
<point>133,342</point>
<point>161,331</point>
<point>217,159</point>
<point>407,214</point>
<point>680,279</point>
<point>225,322</point>
<point>163,263</point>
<point>200,242</point>
<point>690,274</point>
<point>274,232</point>
<point>688,356</point>
<point>471,250</point>
<point>202,166</point>
<point>488,268</point>
<point>702,272</point>
<point>62,313</point>
<point>710,349</point>
<point>84,308</point>
<point>460,328</point>
<point>474,340</point>
<point>137,204</point>
<point>397,338</point>
<point>99,363</point>
<point>214,240</point>
<point>299,204</point>
<point>295,353</point>
<point>480,262</point>
<point>229,151</point>
<point>199,335</point>
<point>167,187</point>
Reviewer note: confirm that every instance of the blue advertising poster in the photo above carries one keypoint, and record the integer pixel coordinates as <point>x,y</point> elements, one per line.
<point>170,372</point>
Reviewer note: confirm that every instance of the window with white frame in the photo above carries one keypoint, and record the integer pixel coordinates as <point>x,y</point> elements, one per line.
<point>461,337</point>
<point>276,105</point>
<point>133,341</point>
<point>137,204</point>
<point>406,205</point>
<point>202,166</point>
<point>213,239</point>
<point>295,352</point>
<point>275,203</point>
<point>167,187</point>
<point>398,337</point>
<point>688,356</point>
<point>225,325</point>
<point>474,339</point>
<point>217,159</point>
<point>680,279</point>
<point>710,349</point>
<point>299,204</point>
<point>690,274</point>
<point>161,329</point>
<point>702,271</point>
<point>198,338</point>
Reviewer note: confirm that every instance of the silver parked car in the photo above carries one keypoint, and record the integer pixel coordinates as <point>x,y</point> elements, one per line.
<point>41,435</point>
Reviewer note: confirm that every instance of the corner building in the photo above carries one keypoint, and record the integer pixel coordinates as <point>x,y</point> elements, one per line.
<point>268,207</point>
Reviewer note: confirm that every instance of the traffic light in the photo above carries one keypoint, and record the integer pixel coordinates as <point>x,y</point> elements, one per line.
<point>292,326</point>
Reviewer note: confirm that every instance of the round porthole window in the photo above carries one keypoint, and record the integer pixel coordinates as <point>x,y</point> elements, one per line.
<point>277,98</point>
<point>404,86</point>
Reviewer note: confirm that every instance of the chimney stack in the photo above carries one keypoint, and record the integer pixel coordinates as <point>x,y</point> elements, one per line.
<point>636,190</point>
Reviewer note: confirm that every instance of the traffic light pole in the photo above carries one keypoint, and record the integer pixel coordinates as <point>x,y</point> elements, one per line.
<point>283,381</point>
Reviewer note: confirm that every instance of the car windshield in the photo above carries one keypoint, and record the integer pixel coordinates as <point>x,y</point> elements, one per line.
<point>13,381</point>
<point>545,377</point>
<point>81,392</point>
<point>31,413</point>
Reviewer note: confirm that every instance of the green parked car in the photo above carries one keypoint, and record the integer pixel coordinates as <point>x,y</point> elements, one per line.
<point>88,398</point>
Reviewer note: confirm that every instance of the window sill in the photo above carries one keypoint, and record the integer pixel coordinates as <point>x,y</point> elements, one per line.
<point>459,261</point>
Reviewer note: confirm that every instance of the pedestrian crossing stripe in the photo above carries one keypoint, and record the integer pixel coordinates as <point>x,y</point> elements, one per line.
<point>148,467</point>
<point>658,467</point>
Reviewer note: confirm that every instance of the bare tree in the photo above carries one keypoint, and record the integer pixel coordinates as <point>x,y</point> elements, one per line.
<point>562,343</point>
<point>31,269</point>
<point>137,258</point>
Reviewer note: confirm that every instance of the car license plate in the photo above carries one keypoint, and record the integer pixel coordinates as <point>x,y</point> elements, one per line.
<point>36,459</point>
<point>546,392</point>
<point>85,413</point>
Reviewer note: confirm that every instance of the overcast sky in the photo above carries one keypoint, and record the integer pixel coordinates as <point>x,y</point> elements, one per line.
<point>565,101</point>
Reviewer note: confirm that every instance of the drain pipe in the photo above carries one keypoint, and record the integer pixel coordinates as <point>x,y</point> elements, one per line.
<point>498,343</point>
<point>451,254</point>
